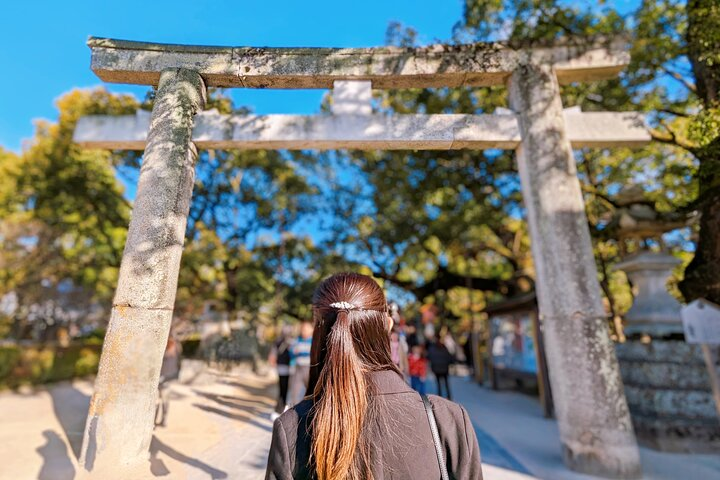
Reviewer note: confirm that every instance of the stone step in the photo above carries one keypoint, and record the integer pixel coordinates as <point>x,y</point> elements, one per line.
<point>678,435</point>
<point>665,375</point>
<point>658,402</point>
<point>660,351</point>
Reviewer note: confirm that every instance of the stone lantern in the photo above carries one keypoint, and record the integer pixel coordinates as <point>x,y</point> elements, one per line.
<point>654,311</point>
<point>666,382</point>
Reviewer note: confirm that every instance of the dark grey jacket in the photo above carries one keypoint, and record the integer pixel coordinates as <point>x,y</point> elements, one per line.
<point>403,447</point>
<point>440,359</point>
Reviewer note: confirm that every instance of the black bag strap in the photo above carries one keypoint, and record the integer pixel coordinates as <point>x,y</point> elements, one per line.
<point>436,437</point>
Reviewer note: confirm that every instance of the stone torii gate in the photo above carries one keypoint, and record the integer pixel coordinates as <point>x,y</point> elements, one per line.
<point>595,428</point>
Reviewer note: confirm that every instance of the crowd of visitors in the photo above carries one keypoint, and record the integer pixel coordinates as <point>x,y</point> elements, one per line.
<point>290,355</point>
<point>413,356</point>
<point>415,351</point>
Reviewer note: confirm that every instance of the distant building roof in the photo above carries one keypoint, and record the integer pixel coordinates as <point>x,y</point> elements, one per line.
<point>523,301</point>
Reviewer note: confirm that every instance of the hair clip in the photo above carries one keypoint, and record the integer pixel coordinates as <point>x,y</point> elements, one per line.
<point>343,305</point>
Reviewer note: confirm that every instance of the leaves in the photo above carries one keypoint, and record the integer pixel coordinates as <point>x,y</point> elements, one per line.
<point>67,203</point>
<point>436,221</point>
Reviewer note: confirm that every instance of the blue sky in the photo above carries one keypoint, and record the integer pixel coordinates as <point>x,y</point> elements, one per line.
<point>43,51</point>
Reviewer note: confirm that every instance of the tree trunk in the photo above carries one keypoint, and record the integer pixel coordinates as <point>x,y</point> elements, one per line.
<point>702,275</point>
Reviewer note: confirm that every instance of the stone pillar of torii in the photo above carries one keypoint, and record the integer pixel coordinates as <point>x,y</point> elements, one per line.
<point>595,428</point>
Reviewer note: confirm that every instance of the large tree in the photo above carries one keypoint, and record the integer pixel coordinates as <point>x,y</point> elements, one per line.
<point>434,221</point>
<point>62,210</point>
<point>702,277</point>
<point>673,76</point>
<point>245,204</point>
<point>64,216</point>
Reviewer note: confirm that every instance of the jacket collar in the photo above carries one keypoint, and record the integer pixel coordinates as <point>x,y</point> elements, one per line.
<point>389,382</point>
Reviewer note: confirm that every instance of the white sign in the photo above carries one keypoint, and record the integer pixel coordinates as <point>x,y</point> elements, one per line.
<point>701,322</point>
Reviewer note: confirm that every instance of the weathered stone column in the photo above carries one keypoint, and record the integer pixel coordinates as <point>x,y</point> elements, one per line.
<point>595,428</point>
<point>121,417</point>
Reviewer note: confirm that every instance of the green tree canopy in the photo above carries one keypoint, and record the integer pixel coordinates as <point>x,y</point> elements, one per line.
<point>436,221</point>
<point>64,216</point>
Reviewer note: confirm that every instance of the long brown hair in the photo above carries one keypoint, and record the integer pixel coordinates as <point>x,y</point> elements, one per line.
<point>350,340</point>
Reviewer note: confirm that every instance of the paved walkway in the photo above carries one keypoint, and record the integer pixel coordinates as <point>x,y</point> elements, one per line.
<point>218,428</point>
<point>514,435</point>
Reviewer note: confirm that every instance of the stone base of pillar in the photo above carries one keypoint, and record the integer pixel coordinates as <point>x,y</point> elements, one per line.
<point>668,392</point>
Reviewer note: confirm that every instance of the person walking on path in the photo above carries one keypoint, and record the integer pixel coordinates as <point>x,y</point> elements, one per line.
<point>399,351</point>
<point>300,363</point>
<point>440,360</point>
<point>361,420</point>
<point>417,367</point>
<point>469,353</point>
<point>280,359</point>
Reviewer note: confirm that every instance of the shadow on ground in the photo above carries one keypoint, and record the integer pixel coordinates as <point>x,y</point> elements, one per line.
<point>158,468</point>
<point>261,392</point>
<point>219,428</point>
<point>70,406</point>
<point>237,409</point>
<point>57,464</point>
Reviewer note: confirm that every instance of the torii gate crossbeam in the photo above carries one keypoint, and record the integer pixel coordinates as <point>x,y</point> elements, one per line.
<point>595,428</point>
<point>361,132</point>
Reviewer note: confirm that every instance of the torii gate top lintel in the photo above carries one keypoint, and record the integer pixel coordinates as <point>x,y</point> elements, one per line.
<point>476,64</point>
<point>357,70</point>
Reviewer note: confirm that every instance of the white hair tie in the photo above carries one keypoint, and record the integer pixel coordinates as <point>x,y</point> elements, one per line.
<point>343,305</point>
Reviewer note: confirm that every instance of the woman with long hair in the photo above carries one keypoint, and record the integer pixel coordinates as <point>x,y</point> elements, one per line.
<point>360,420</point>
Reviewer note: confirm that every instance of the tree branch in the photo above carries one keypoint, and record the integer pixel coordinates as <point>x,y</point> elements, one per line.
<point>668,137</point>
<point>680,78</point>
<point>591,189</point>
<point>670,111</point>
<point>445,280</point>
